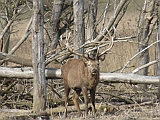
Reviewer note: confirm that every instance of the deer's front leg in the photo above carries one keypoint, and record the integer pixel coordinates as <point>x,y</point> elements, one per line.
<point>92,93</point>
<point>85,95</point>
<point>75,100</point>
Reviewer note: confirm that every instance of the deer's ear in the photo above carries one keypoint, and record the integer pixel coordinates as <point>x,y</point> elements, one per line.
<point>102,58</point>
<point>85,62</point>
<point>89,57</point>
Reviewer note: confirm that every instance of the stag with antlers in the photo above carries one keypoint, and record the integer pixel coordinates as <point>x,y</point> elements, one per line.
<point>82,76</point>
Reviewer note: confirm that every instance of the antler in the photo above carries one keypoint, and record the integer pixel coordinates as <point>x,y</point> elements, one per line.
<point>73,52</point>
<point>97,55</point>
<point>110,45</point>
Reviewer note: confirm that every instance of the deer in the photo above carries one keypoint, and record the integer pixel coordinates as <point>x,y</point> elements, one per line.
<point>82,75</point>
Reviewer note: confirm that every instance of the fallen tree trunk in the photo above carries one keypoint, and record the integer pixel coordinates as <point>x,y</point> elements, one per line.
<point>128,78</point>
<point>27,73</point>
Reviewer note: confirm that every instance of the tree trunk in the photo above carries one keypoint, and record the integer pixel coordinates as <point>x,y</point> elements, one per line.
<point>39,85</point>
<point>3,22</point>
<point>157,67</point>
<point>55,20</point>
<point>79,32</point>
<point>91,21</point>
<point>143,38</point>
<point>157,53</point>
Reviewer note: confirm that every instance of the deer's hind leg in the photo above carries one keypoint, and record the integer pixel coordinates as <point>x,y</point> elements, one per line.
<point>75,100</point>
<point>66,90</point>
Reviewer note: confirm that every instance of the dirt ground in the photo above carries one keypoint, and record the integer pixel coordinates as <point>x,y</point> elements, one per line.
<point>128,112</point>
<point>113,102</point>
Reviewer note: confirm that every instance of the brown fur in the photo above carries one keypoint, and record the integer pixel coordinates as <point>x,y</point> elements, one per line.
<point>80,76</point>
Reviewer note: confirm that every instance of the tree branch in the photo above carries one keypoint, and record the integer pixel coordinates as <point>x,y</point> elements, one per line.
<point>15,59</point>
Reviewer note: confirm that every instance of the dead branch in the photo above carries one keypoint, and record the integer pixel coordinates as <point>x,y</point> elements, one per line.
<point>11,86</point>
<point>124,38</point>
<point>112,20</point>
<point>24,37</point>
<point>53,90</point>
<point>146,65</point>
<point>19,104</point>
<point>149,102</point>
<point>138,54</point>
<point>15,59</point>
<point>11,21</point>
<point>104,15</point>
<point>119,97</point>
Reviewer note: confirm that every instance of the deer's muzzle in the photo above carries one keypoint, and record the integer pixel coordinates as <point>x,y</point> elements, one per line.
<point>94,71</point>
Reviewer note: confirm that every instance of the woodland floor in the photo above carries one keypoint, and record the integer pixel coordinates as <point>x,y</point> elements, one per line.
<point>113,102</point>
<point>147,112</point>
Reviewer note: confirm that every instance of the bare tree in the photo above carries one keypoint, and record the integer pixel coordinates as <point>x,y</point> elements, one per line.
<point>145,19</point>
<point>55,21</point>
<point>157,66</point>
<point>157,49</point>
<point>39,85</point>
<point>3,23</point>
<point>8,15</point>
<point>79,31</point>
<point>91,20</point>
